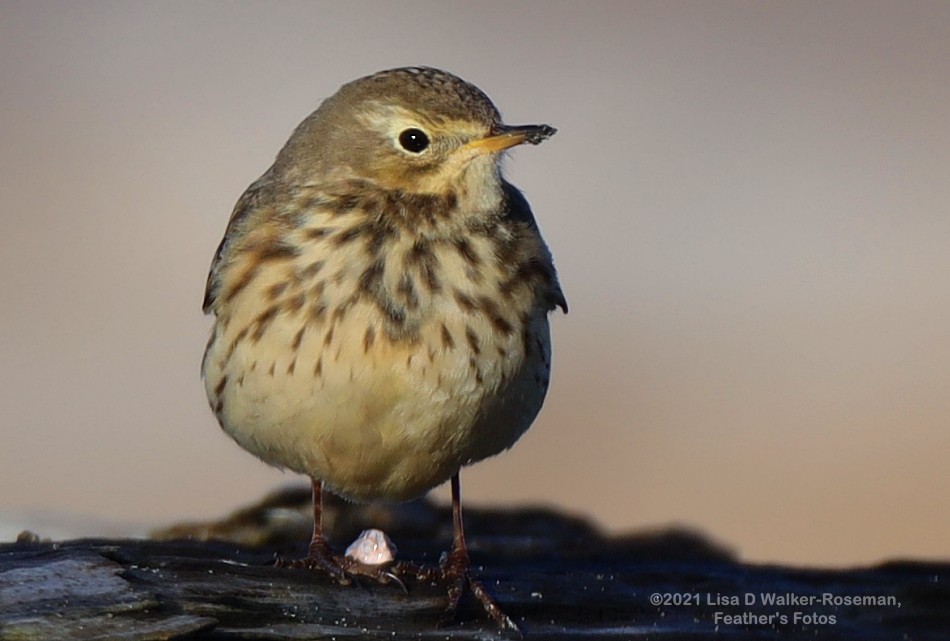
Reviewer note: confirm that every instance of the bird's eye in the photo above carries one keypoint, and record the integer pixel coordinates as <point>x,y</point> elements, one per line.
<point>414,140</point>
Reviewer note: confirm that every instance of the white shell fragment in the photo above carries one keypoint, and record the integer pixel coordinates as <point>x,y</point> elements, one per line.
<point>372,547</point>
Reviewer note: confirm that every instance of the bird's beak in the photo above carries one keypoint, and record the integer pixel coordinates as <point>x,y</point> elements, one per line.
<point>504,136</point>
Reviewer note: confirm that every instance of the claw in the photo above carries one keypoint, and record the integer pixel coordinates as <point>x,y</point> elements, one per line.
<point>395,579</point>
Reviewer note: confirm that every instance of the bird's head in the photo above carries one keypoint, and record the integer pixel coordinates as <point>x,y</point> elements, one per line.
<point>415,130</point>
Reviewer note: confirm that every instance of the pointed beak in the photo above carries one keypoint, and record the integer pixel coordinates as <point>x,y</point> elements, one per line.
<point>504,137</point>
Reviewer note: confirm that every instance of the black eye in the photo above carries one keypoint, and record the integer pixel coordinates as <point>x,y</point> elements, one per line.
<point>414,140</point>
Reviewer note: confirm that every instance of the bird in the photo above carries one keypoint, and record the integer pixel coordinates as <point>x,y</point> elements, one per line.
<point>380,302</point>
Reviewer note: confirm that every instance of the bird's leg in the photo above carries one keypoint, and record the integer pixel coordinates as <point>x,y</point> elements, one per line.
<point>456,565</point>
<point>457,570</point>
<point>320,555</point>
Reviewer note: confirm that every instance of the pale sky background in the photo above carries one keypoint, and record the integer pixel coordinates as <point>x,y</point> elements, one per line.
<point>748,203</point>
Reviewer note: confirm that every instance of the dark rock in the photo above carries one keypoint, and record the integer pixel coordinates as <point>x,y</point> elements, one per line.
<point>557,576</point>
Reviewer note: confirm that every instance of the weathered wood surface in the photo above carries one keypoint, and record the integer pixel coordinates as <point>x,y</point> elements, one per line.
<point>557,576</point>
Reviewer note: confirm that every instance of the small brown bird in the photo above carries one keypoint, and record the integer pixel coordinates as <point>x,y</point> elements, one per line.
<point>380,301</point>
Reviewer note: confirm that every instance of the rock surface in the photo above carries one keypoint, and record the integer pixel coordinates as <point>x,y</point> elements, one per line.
<point>557,576</point>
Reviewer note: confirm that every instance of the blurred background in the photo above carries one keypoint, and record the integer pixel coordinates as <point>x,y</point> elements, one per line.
<point>748,203</point>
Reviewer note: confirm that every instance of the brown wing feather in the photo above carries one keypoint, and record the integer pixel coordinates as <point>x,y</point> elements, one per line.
<point>246,204</point>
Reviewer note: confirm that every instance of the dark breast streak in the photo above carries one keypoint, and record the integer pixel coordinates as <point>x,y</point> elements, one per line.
<point>517,259</point>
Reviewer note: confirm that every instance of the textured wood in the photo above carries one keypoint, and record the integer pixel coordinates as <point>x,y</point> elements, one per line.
<point>557,576</point>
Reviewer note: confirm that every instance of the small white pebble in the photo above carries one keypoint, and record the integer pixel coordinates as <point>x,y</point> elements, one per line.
<point>372,547</point>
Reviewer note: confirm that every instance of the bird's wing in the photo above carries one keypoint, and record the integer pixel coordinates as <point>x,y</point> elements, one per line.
<point>519,211</point>
<point>246,204</point>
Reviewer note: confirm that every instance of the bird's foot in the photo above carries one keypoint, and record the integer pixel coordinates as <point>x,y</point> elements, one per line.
<point>455,570</point>
<point>320,557</point>
<point>343,569</point>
